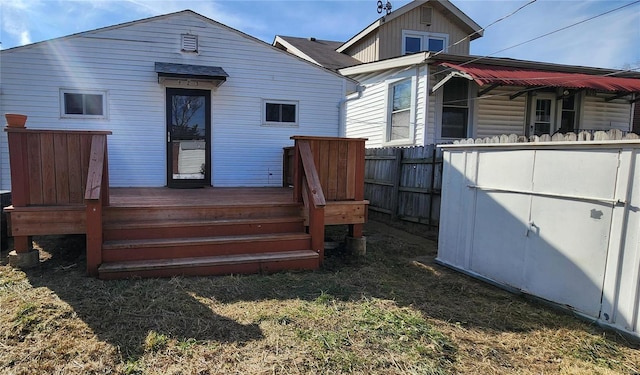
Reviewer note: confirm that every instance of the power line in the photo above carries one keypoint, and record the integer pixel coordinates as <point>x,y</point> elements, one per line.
<point>542,36</point>
<point>488,26</point>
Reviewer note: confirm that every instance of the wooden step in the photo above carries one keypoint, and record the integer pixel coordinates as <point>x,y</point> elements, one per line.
<point>174,248</point>
<point>213,265</point>
<point>114,214</point>
<point>137,230</point>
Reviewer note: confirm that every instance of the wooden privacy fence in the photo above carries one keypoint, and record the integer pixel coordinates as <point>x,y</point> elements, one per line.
<point>405,182</point>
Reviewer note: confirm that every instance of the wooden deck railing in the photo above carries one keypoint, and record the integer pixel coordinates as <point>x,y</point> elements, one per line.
<point>56,171</point>
<point>96,195</point>
<point>49,167</point>
<point>340,166</point>
<point>325,169</point>
<point>307,189</point>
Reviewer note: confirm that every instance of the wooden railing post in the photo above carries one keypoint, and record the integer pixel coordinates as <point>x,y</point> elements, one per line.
<point>356,230</point>
<point>19,165</point>
<point>94,201</point>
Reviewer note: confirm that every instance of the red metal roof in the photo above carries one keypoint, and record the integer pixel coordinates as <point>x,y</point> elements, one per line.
<point>510,76</point>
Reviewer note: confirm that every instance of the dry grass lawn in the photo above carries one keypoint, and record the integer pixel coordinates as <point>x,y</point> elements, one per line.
<point>392,312</point>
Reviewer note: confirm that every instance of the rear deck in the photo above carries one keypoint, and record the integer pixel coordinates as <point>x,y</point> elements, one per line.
<point>157,232</point>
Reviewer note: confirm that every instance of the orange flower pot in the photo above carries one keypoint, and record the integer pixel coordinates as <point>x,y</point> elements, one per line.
<point>15,120</point>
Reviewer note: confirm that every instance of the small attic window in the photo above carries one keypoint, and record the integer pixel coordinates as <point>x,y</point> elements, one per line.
<point>189,43</point>
<point>426,13</point>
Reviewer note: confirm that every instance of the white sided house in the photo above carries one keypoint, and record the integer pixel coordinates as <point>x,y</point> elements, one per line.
<point>189,101</point>
<point>420,86</point>
<point>428,98</point>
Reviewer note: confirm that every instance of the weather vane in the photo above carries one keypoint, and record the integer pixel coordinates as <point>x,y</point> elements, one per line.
<point>386,7</point>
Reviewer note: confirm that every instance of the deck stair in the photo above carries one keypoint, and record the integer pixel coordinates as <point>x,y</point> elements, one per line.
<point>163,241</point>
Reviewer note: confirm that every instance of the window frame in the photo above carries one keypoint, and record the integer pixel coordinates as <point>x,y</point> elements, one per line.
<point>64,114</point>
<point>424,40</point>
<point>456,108</point>
<point>265,102</point>
<point>387,141</point>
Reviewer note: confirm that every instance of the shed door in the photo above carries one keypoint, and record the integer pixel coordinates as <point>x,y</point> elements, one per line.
<point>542,222</point>
<point>188,137</point>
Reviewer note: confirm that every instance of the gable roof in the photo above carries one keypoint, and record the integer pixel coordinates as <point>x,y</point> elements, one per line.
<point>169,15</point>
<point>321,52</point>
<point>472,28</point>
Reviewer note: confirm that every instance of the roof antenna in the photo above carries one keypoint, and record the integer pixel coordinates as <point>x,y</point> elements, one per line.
<point>386,7</point>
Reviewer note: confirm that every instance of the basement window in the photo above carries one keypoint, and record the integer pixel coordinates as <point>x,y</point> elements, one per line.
<point>284,113</point>
<point>83,104</point>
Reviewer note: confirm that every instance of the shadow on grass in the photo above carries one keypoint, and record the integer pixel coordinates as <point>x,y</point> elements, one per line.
<point>125,312</point>
<point>133,315</point>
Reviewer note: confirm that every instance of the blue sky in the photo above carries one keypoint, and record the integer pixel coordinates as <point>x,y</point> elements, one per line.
<point>610,41</point>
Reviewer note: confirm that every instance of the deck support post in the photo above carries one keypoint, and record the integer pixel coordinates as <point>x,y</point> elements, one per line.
<point>356,245</point>
<point>94,236</point>
<point>355,242</point>
<point>23,255</point>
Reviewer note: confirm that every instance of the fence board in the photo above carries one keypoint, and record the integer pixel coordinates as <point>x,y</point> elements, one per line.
<point>405,182</point>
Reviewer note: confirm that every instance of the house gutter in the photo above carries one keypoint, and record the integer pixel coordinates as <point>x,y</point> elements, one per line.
<point>342,129</point>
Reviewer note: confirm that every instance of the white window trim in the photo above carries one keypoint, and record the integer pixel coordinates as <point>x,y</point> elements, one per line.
<point>105,107</point>
<point>424,36</point>
<point>389,110</point>
<point>276,123</point>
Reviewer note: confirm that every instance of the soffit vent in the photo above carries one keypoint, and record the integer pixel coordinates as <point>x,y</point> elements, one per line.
<point>189,43</point>
<point>426,13</point>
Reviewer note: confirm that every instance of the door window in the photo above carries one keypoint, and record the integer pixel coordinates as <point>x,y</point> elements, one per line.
<point>188,124</point>
<point>543,115</point>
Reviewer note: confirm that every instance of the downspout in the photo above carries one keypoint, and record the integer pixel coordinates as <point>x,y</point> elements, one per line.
<point>342,129</point>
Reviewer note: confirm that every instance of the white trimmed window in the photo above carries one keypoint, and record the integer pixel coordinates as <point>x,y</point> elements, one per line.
<point>400,112</point>
<point>415,41</point>
<point>280,112</point>
<point>83,103</point>
<point>455,108</point>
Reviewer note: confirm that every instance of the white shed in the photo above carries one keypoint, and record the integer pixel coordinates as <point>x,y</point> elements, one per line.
<point>164,84</point>
<point>560,221</point>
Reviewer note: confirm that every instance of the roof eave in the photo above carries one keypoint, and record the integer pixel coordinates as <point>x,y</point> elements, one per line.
<point>297,51</point>
<point>396,62</point>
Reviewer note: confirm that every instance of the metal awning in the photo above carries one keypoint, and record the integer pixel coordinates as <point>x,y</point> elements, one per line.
<point>511,76</point>
<point>190,73</point>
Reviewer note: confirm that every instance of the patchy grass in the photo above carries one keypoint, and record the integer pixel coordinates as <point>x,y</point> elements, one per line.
<point>392,312</point>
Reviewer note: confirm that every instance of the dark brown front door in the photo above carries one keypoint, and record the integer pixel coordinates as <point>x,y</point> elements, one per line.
<point>188,138</point>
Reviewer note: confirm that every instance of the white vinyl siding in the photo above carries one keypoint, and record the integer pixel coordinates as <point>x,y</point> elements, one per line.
<point>368,116</point>
<point>597,114</point>
<point>497,114</point>
<point>121,60</point>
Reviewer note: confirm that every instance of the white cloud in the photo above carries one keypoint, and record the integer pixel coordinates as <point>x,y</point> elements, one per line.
<point>14,20</point>
<point>25,37</point>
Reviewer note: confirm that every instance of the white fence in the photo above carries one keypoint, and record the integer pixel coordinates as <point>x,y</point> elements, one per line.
<point>560,221</point>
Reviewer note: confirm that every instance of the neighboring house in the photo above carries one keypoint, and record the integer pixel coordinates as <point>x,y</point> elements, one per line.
<point>189,101</point>
<point>320,52</point>
<point>421,86</point>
